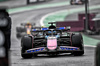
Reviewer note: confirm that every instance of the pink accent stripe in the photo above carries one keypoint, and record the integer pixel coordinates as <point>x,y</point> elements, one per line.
<point>52,44</point>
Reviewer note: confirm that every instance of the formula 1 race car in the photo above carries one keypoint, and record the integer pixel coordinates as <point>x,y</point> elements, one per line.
<point>51,41</point>
<point>77,2</point>
<point>24,29</point>
<point>34,1</point>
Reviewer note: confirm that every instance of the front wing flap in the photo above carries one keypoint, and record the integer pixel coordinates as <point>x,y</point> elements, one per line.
<point>59,49</point>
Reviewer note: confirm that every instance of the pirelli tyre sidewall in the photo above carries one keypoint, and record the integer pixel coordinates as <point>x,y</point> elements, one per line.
<point>26,42</point>
<point>97,55</point>
<point>77,41</point>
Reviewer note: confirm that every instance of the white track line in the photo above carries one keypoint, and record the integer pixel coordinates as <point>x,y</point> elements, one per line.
<point>44,17</point>
<point>89,46</point>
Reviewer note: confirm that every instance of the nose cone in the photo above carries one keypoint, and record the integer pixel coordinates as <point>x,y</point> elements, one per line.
<point>52,44</point>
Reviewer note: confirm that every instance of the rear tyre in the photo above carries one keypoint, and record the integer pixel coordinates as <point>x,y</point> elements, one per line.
<point>18,29</point>
<point>18,35</point>
<point>77,41</point>
<point>97,55</point>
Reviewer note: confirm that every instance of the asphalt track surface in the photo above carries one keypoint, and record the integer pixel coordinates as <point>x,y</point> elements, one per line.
<point>43,60</point>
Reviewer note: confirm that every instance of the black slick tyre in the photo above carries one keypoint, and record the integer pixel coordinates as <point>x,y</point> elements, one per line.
<point>26,44</point>
<point>77,41</point>
<point>25,55</point>
<point>18,35</point>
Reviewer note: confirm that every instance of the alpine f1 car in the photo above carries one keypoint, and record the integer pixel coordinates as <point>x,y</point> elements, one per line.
<point>51,40</point>
<point>24,29</point>
<point>77,2</point>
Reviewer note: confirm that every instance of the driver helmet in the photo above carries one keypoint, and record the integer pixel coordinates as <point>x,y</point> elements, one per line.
<point>28,25</point>
<point>52,27</point>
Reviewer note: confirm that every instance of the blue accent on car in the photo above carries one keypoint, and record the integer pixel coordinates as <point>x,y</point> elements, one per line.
<point>46,37</point>
<point>64,48</point>
<point>57,36</point>
<point>28,51</point>
<point>42,49</point>
<point>44,28</point>
<point>34,29</point>
<point>49,31</point>
<point>35,50</point>
<point>76,48</point>
<point>60,28</point>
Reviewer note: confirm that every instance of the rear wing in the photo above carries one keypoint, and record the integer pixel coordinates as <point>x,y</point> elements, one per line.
<point>23,24</point>
<point>40,29</point>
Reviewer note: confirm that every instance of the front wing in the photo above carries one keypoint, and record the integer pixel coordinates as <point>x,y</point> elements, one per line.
<point>60,49</point>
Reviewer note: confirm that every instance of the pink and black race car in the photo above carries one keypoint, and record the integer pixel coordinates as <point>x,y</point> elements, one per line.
<point>51,41</point>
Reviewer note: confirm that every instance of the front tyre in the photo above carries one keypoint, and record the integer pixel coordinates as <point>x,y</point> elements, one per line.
<point>77,41</point>
<point>26,43</point>
<point>25,55</point>
<point>78,53</point>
